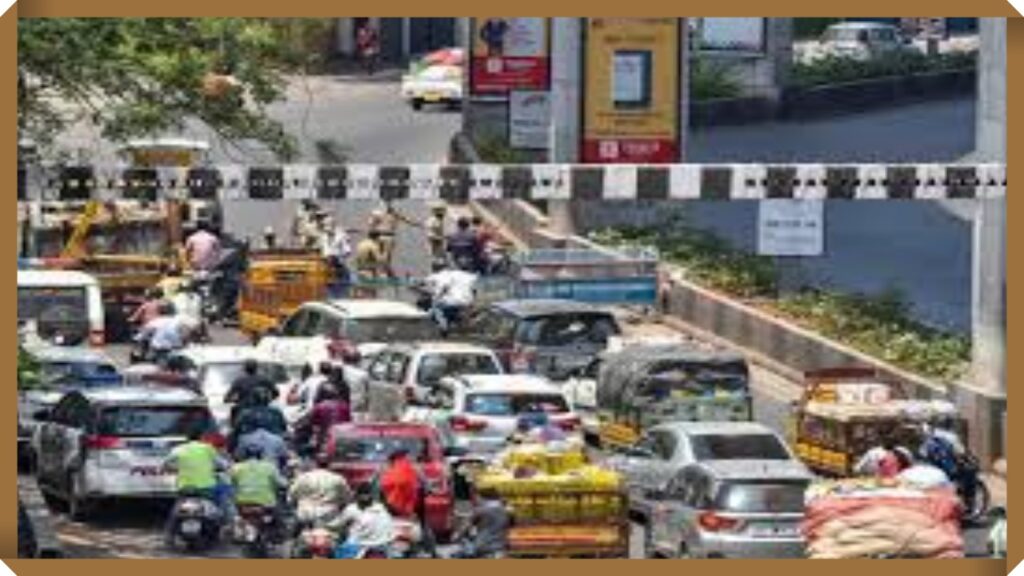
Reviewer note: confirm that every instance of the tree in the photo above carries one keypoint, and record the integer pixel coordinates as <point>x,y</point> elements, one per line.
<point>137,77</point>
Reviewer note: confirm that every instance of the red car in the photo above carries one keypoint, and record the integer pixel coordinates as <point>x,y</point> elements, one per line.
<point>359,451</point>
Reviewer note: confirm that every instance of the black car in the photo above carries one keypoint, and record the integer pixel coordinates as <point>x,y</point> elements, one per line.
<point>552,338</point>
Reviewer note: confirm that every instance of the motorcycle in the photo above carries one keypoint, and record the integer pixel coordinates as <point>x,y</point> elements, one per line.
<point>255,531</point>
<point>407,539</point>
<point>964,470</point>
<point>316,542</point>
<point>197,522</point>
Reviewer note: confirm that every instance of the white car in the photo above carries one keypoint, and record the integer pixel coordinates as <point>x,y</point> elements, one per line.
<point>861,40</point>
<point>111,443</point>
<point>479,413</point>
<point>322,331</point>
<point>217,367</point>
<point>414,369</point>
<point>435,79</point>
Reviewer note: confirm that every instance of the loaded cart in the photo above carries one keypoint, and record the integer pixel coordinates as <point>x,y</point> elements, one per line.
<point>561,506</point>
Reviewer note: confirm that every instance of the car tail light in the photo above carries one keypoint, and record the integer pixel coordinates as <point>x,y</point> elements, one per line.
<point>463,424</point>
<point>712,522</point>
<point>103,442</point>
<point>97,338</point>
<point>569,424</point>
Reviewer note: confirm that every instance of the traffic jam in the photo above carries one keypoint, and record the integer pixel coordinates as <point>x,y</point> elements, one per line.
<point>296,396</point>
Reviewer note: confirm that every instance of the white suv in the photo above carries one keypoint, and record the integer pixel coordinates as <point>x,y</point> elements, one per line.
<point>478,413</point>
<point>322,331</point>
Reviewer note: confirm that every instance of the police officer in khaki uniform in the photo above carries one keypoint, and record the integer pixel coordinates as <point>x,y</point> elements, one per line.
<point>436,227</point>
<point>371,265</point>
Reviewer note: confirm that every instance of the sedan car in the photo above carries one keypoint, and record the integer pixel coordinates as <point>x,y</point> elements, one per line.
<point>436,78</point>
<point>664,450</point>
<point>360,451</point>
<point>111,443</point>
<point>729,509</point>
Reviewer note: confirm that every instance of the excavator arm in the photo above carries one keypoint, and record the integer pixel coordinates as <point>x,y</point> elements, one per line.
<point>76,244</point>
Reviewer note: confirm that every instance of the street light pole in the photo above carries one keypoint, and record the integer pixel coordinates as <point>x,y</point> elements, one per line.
<point>563,148</point>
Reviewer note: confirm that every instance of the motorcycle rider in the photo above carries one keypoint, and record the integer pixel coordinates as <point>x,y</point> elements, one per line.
<point>257,482</point>
<point>319,496</point>
<point>196,463</point>
<point>403,490</point>
<point>149,309</point>
<point>251,389</point>
<point>272,446</point>
<point>335,249</point>
<point>162,335</point>
<point>451,292</point>
<point>366,522</point>
<point>331,408</point>
<point>462,246</point>
<point>486,535</point>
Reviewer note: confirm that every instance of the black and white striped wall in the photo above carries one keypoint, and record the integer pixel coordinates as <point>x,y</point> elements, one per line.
<point>538,182</point>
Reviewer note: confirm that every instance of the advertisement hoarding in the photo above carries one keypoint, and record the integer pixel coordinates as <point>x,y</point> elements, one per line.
<point>731,34</point>
<point>631,97</point>
<point>529,117</point>
<point>509,54</point>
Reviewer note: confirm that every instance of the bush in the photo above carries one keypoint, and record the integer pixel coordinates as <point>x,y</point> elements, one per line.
<point>711,81</point>
<point>836,70</point>
<point>495,150</point>
<point>880,325</point>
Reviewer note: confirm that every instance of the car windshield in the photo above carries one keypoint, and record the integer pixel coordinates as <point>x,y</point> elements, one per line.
<point>569,329</point>
<point>761,497</point>
<point>219,377</point>
<point>391,330</point>
<point>515,404</point>
<point>33,302</point>
<point>738,447</point>
<point>433,367</point>
<point>378,448</point>
<point>846,35</point>
<point>145,421</point>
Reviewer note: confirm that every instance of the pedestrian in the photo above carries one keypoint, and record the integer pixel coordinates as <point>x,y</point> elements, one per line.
<point>335,249</point>
<point>436,230</point>
<point>493,34</point>
<point>371,266</point>
<point>368,43</point>
<point>302,223</point>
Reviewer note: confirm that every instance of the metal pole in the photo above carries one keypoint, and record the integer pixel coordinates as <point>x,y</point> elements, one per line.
<point>565,109</point>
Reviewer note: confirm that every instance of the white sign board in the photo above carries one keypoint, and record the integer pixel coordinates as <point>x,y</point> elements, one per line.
<point>732,34</point>
<point>529,118</point>
<point>791,228</point>
<point>628,78</point>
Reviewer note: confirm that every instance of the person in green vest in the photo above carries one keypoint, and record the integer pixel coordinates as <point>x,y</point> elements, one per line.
<point>196,463</point>
<point>258,482</point>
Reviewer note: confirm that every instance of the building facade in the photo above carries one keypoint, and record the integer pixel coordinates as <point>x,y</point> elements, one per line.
<point>402,38</point>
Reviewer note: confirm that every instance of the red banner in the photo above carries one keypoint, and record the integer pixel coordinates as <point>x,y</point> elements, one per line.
<point>498,75</point>
<point>630,151</point>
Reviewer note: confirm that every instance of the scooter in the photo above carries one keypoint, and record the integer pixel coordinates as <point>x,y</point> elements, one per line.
<point>255,531</point>
<point>197,522</point>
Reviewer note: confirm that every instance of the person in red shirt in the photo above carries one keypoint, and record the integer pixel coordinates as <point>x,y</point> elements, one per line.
<point>400,485</point>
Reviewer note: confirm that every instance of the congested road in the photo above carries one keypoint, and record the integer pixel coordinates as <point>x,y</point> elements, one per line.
<point>134,530</point>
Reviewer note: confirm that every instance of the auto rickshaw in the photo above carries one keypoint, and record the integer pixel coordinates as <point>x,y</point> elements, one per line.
<point>276,283</point>
<point>844,412</point>
<point>643,385</point>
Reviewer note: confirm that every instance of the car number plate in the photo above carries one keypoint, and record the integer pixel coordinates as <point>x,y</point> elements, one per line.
<point>191,527</point>
<point>775,531</point>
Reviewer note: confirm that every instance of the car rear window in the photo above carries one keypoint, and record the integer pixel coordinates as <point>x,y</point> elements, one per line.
<point>761,497</point>
<point>738,447</point>
<point>79,373</point>
<point>515,404</point>
<point>144,421</point>
<point>569,329</point>
<point>391,330</point>
<point>441,365</point>
<point>378,448</point>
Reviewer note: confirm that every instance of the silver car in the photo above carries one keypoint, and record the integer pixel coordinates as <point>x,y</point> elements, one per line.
<point>664,450</point>
<point>729,509</point>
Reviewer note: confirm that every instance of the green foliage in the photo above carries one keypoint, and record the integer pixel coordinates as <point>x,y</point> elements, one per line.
<point>142,76</point>
<point>836,70</point>
<point>879,325</point>
<point>811,28</point>
<point>28,370</point>
<point>495,150</point>
<point>710,81</point>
